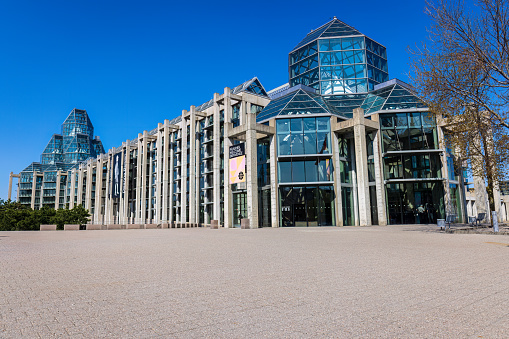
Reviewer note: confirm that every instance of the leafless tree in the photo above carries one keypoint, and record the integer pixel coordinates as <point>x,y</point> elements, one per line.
<point>462,73</point>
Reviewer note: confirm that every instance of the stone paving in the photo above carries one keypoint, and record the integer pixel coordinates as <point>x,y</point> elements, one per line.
<point>395,281</point>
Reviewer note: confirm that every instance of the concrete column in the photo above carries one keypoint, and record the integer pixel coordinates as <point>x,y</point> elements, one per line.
<point>361,162</point>
<point>98,216</point>
<point>88,187</point>
<point>228,197</point>
<point>159,177</point>
<point>164,178</point>
<point>57,191</point>
<point>216,162</point>
<point>81,178</point>
<point>445,172</point>
<point>148,187</point>
<point>125,193</point>
<point>251,171</point>
<point>197,147</point>
<point>337,179</point>
<point>274,190</point>
<point>72,194</point>
<point>10,187</point>
<point>183,170</point>
<point>170,180</point>
<point>379,179</point>
<point>192,166</point>
<point>139,175</point>
<point>143,170</point>
<point>108,201</point>
<point>34,185</point>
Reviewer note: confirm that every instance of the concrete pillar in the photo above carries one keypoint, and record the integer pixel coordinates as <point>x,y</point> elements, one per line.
<point>216,162</point>
<point>197,191</point>
<point>143,170</point>
<point>125,193</point>
<point>228,197</point>
<point>72,194</point>
<point>88,186</point>
<point>172,165</point>
<point>183,170</point>
<point>150,177</point>
<point>10,187</point>
<point>251,170</point>
<point>139,175</point>
<point>274,192</point>
<point>98,216</point>
<point>165,153</point>
<point>159,176</point>
<point>379,179</point>
<point>361,162</point>
<point>81,177</point>
<point>337,179</point>
<point>108,203</point>
<point>192,165</point>
<point>57,191</point>
<point>34,185</point>
<point>445,172</point>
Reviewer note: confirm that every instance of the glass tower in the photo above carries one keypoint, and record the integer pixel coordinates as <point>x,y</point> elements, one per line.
<point>341,63</point>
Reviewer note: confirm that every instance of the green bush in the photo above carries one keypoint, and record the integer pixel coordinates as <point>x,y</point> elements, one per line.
<point>16,217</point>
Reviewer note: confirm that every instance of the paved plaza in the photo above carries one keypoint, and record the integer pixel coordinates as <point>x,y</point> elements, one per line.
<point>394,281</point>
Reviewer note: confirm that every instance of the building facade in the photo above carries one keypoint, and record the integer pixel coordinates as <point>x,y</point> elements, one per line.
<point>340,144</point>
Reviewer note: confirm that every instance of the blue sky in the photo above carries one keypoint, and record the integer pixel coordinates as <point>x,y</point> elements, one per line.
<point>132,64</point>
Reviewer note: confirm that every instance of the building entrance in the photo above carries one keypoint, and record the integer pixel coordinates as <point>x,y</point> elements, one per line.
<point>306,206</point>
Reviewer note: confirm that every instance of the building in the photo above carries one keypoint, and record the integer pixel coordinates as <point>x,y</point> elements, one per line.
<point>340,144</point>
<point>46,183</point>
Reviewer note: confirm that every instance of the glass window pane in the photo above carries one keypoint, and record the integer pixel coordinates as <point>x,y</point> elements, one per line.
<point>358,43</point>
<point>323,144</point>
<point>335,44</point>
<point>297,144</point>
<point>284,171</point>
<point>298,171</point>
<point>311,171</point>
<point>360,71</point>
<point>310,143</point>
<point>296,125</point>
<point>322,124</point>
<point>401,120</point>
<point>324,45</point>
<point>309,124</point>
<point>283,144</point>
<point>324,170</point>
<point>283,125</point>
<point>347,43</point>
<point>358,56</point>
<point>349,72</point>
<point>348,57</point>
<point>337,58</point>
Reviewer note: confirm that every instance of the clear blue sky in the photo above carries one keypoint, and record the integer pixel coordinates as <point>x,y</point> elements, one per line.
<point>132,64</point>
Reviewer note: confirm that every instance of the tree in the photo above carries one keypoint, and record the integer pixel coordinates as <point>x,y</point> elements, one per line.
<point>463,75</point>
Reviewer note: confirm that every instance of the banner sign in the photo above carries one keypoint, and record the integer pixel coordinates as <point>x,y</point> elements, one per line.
<point>123,174</point>
<point>116,181</point>
<point>237,164</point>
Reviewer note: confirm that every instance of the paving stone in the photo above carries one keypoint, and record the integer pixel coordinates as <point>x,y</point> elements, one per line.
<point>394,281</point>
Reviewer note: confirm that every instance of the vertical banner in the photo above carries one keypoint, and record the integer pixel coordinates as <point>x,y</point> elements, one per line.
<point>123,173</point>
<point>237,164</point>
<point>116,182</point>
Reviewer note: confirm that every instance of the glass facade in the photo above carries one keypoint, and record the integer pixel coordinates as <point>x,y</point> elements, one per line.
<point>305,171</point>
<point>412,168</point>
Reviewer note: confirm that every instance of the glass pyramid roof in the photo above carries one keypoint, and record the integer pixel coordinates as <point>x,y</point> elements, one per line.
<point>394,96</point>
<point>297,102</point>
<point>333,28</point>
<point>253,86</point>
